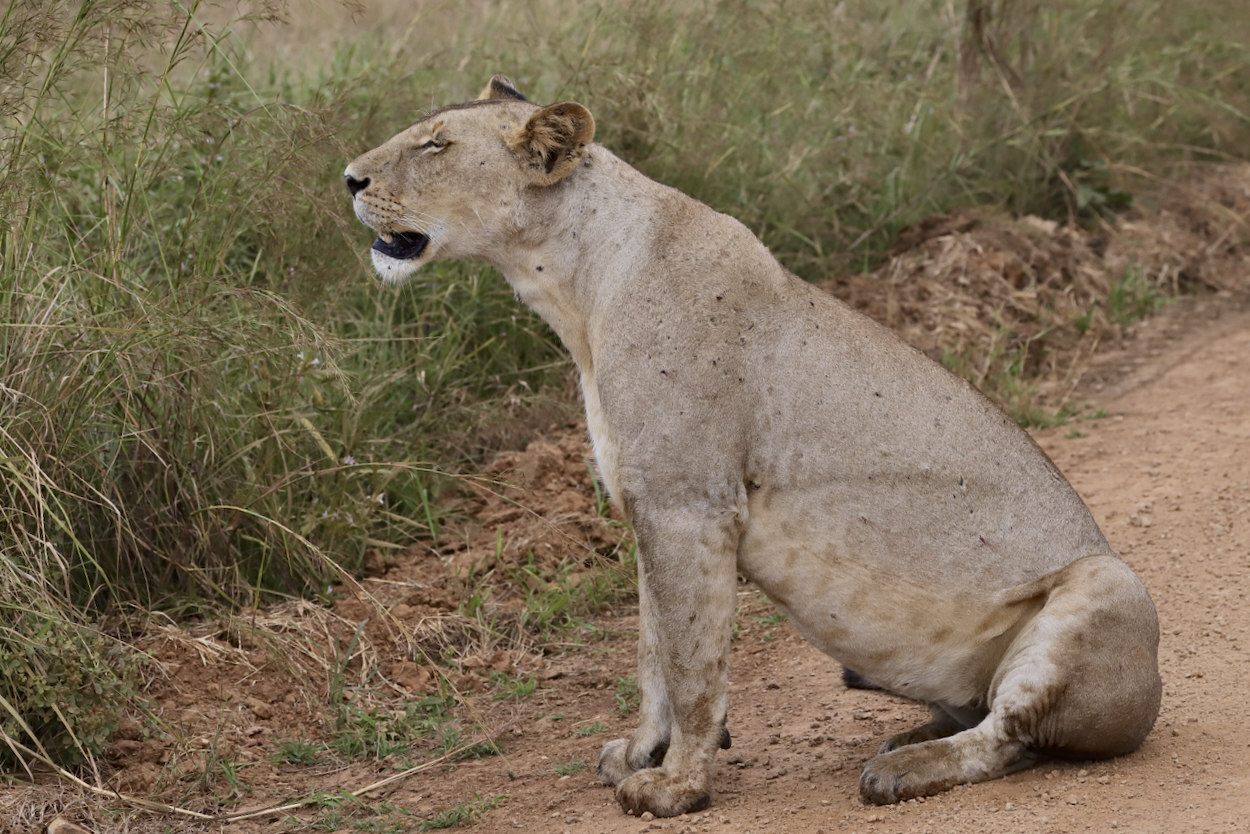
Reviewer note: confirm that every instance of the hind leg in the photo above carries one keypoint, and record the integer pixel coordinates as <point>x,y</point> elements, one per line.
<point>943,723</point>
<point>929,767</point>
<point>1082,677</point>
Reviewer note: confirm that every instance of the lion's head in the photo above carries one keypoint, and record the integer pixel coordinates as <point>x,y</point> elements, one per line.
<point>447,186</point>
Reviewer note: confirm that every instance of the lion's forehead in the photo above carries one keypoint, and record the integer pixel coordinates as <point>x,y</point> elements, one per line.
<point>456,113</point>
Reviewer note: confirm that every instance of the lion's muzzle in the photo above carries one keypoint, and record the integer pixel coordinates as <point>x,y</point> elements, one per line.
<point>402,245</point>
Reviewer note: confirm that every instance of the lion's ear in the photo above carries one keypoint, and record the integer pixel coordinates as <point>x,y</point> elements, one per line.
<point>553,140</point>
<point>500,87</point>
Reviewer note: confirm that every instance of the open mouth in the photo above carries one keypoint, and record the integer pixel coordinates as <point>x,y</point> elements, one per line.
<point>402,246</point>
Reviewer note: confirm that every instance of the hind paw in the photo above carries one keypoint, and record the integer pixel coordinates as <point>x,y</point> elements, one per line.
<point>908,772</point>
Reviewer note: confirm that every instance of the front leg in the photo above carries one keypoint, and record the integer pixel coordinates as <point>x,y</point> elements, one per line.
<point>688,564</point>
<point>621,758</point>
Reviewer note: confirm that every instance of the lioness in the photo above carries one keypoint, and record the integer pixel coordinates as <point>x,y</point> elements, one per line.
<point>749,423</point>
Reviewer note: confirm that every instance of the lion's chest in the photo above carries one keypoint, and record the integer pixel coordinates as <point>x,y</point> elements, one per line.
<point>607,451</point>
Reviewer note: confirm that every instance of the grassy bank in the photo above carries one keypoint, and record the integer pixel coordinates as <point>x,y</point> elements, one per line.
<point>204,399</point>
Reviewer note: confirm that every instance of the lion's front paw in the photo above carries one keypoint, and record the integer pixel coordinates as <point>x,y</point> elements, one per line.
<point>655,791</point>
<point>621,758</point>
<point>614,762</point>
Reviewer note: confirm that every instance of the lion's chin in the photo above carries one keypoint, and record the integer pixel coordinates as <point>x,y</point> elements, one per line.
<point>394,270</point>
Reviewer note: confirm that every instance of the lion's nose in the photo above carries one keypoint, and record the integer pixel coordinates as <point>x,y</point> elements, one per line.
<point>354,185</point>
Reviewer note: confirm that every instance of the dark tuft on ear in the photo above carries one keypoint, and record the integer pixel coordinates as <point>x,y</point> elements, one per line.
<point>500,87</point>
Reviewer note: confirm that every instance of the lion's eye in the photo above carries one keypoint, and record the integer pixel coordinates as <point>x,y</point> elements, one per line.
<point>433,144</point>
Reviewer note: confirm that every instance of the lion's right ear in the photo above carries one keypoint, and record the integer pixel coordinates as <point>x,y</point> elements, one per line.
<point>553,140</point>
<point>500,87</point>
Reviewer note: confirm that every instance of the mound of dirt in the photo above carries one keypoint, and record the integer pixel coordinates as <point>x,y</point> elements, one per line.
<point>1005,300</point>
<point>546,510</point>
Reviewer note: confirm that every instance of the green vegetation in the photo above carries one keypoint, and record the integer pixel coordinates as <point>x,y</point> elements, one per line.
<point>417,729</point>
<point>344,812</point>
<point>204,399</point>
<point>462,812</point>
<point>219,773</point>
<point>556,600</point>
<point>517,688</point>
<point>296,751</point>
<point>1133,298</point>
<point>592,729</point>
<point>59,683</point>
<point>628,696</point>
<point>570,767</point>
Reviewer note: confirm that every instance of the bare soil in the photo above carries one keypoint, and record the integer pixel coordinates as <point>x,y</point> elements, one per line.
<point>1162,459</point>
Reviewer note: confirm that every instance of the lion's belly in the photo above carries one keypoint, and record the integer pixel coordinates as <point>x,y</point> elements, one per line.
<point>852,596</point>
<point>898,634</point>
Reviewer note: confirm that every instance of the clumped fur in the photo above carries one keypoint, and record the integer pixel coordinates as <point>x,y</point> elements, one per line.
<point>749,423</point>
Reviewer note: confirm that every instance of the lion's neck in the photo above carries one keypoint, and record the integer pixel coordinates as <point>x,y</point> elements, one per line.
<point>579,240</point>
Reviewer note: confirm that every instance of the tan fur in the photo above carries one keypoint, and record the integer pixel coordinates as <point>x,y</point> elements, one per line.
<point>748,422</point>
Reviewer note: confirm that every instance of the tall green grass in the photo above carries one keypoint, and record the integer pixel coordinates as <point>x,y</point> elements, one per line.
<point>203,397</point>
<point>827,127</point>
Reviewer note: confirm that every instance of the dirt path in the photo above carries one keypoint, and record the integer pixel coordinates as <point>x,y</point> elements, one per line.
<point>1167,474</point>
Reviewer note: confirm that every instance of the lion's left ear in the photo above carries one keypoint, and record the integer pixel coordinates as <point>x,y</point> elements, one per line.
<point>553,140</point>
<point>501,87</point>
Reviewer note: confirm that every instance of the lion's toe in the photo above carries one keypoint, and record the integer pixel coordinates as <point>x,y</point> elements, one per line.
<point>898,740</point>
<point>920,734</point>
<point>878,787</point>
